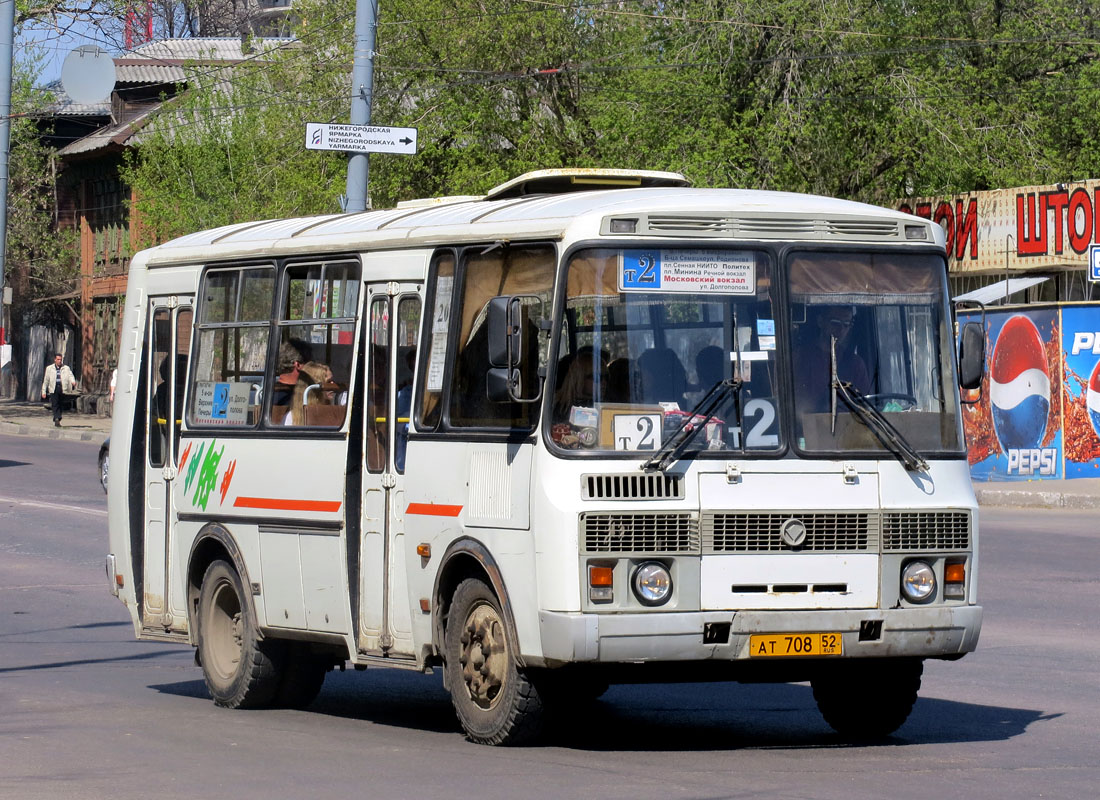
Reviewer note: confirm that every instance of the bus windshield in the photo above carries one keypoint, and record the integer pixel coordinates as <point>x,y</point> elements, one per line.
<point>648,334</point>
<point>884,317</point>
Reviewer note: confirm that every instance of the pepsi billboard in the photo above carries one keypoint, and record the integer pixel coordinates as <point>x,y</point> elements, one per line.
<point>1081,390</point>
<point>1015,431</point>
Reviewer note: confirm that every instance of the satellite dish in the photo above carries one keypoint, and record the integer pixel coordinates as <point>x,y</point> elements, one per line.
<point>88,74</point>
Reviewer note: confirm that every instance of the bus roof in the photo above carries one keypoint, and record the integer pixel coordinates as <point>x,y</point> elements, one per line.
<point>664,211</point>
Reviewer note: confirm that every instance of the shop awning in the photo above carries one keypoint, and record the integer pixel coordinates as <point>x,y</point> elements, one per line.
<point>999,290</point>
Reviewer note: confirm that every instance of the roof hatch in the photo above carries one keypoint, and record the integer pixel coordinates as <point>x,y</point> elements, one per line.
<point>563,181</point>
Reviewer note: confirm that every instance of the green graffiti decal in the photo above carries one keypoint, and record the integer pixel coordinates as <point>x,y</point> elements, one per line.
<point>193,468</point>
<point>208,476</point>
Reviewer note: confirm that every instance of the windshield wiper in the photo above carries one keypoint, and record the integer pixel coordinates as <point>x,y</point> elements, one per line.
<point>707,407</point>
<point>875,420</point>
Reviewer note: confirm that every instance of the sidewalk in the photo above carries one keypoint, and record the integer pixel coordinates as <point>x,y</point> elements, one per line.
<point>33,419</point>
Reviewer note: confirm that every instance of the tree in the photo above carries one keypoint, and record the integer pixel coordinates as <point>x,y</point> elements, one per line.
<point>40,261</point>
<point>869,101</point>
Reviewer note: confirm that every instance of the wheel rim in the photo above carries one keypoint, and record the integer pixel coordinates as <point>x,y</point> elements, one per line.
<point>223,633</point>
<point>484,656</point>
<point>103,471</point>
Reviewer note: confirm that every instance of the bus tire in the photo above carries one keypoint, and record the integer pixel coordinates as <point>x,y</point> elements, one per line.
<point>495,701</point>
<point>302,677</point>
<point>241,669</point>
<point>865,699</point>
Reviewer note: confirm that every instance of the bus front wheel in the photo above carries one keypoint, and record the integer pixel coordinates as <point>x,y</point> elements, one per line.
<point>241,670</point>
<point>495,701</point>
<point>869,698</point>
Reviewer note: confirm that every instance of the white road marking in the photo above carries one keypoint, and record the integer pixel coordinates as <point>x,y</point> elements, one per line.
<point>54,506</point>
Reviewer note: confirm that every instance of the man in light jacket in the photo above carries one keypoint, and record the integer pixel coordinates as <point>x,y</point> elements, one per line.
<point>58,382</point>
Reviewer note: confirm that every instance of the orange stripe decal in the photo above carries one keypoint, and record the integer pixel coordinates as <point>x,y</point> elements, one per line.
<point>279,504</point>
<point>433,510</point>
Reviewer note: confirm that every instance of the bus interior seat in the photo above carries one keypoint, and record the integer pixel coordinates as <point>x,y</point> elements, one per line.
<point>327,416</point>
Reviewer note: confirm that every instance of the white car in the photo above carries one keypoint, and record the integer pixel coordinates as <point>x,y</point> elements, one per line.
<point>104,460</point>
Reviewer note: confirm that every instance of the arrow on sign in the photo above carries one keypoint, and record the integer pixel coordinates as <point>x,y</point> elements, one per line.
<point>406,140</point>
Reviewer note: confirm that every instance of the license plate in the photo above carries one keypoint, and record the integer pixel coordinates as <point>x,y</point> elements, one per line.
<point>782,645</point>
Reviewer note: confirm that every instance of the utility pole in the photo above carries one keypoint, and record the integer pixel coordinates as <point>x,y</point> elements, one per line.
<point>362,93</point>
<point>7,42</point>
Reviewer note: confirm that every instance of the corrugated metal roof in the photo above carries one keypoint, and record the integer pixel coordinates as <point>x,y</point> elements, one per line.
<point>63,106</point>
<point>148,73</point>
<point>211,48</point>
<point>122,134</point>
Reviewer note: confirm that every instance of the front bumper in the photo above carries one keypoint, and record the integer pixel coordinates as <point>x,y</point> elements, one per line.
<point>678,636</point>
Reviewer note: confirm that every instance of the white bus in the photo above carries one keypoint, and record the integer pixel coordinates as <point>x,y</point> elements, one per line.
<point>595,426</point>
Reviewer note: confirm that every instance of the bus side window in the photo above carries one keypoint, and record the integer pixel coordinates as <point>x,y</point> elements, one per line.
<point>316,326</point>
<point>408,328</point>
<point>514,270</point>
<point>234,320</point>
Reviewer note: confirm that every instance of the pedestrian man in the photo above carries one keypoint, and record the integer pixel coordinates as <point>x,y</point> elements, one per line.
<point>57,382</point>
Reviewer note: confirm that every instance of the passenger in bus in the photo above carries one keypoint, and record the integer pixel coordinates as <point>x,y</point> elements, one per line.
<point>813,359</point>
<point>709,367</point>
<point>289,361</point>
<point>578,390</point>
<point>618,381</point>
<point>308,391</point>
<point>663,377</point>
<point>578,386</point>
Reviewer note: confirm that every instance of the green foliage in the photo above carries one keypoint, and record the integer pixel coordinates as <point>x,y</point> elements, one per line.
<point>865,100</point>
<point>40,262</point>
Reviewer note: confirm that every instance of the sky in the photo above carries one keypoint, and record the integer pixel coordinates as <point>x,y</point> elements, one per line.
<point>54,47</point>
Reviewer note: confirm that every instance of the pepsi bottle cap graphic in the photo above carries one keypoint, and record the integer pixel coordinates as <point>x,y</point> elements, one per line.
<point>1092,398</point>
<point>1019,385</point>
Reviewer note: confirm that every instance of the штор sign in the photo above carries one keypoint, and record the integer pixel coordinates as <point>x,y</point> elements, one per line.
<point>360,138</point>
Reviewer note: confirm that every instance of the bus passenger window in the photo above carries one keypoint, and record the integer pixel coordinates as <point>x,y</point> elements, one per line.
<point>231,355</point>
<point>408,328</point>
<point>316,330</point>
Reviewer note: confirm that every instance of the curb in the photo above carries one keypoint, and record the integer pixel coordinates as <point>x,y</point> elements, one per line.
<point>17,429</point>
<point>1035,499</point>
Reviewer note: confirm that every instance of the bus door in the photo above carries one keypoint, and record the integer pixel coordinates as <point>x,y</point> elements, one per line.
<point>170,344</point>
<point>393,317</point>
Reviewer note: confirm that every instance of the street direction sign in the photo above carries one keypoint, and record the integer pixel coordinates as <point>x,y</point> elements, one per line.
<point>1094,263</point>
<point>360,138</point>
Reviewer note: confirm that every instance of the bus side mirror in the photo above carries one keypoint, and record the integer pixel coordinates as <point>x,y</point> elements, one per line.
<point>971,356</point>
<point>502,382</point>
<point>506,317</point>
<point>510,335</point>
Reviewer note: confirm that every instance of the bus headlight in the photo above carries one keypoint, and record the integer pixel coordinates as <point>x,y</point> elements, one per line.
<point>918,581</point>
<point>652,584</point>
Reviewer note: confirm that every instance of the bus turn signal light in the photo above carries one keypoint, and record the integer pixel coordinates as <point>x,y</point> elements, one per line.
<point>954,573</point>
<point>954,581</point>
<point>601,584</point>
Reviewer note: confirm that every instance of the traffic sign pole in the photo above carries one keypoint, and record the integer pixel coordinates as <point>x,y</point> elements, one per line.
<point>362,84</point>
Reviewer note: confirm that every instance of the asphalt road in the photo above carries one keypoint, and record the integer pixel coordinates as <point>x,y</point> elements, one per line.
<point>88,712</point>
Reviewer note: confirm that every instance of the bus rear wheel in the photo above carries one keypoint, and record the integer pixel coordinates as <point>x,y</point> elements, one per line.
<point>864,699</point>
<point>302,678</point>
<point>495,701</point>
<point>241,670</point>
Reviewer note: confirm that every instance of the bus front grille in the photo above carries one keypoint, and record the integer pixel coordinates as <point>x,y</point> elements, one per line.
<point>633,486</point>
<point>640,533</point>
<point>926,530</point>
<point>762,532</point>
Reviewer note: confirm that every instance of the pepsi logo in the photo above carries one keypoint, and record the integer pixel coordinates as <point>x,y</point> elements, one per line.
<point>1019,385</point>
<point>1092,398</point>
